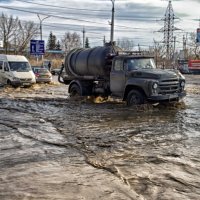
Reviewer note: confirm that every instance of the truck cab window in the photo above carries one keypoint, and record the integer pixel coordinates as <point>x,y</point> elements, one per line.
<point>118,65</point>
<point>129,64</point>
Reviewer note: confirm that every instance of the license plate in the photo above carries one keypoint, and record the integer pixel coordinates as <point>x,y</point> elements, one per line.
<point>26,83</point>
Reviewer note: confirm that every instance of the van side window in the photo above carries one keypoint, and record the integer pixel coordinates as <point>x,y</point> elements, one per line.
<point>118,66</point>
<point>1,65</point>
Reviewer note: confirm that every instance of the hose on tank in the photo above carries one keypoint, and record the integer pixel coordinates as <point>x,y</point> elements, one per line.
<point>59,74</point>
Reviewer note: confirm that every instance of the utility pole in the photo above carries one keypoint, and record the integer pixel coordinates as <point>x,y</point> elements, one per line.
<point>112,22</point>
<point>139,48</point>
<point>184,46</point>
<point>83,37</point>
<point>156,52</point>
<point>104,40</point>
<point>174,50</point>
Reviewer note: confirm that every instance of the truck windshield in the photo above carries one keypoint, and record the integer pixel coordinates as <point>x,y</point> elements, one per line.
<point>140,63</point>
<point>20,66</point>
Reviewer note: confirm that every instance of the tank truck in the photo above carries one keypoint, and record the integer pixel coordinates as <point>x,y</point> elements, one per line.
<point>131,76</point>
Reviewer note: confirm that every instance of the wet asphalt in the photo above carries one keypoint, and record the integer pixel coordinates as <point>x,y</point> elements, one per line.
<point>54,147</point>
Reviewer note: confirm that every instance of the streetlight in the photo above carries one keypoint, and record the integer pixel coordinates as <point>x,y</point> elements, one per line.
<point>112,22</point>
<point>41,20</point>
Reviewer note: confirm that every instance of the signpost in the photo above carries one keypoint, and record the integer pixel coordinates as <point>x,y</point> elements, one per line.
<point>37,47</point>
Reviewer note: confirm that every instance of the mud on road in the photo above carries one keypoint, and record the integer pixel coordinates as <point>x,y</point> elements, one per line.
<point>52,147</point>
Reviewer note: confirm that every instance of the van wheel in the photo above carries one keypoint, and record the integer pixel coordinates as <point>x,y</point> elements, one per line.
<point>75,91</point>
<point>9,82</point>
<point>135,97</point>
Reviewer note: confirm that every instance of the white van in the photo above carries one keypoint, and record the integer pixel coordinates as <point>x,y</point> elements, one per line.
<point>16,71</point>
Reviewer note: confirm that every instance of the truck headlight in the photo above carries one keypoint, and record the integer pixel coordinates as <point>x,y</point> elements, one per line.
<point>155,86</point>
<point>182,84</point>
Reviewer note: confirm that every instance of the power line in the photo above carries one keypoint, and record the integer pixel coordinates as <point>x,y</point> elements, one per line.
<point>63,7</point>
<point>67,18</point>
<point>146,18</point>
<point>55,16</point>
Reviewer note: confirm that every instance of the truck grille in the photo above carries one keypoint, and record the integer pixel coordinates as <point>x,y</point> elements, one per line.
<point>168,86</point>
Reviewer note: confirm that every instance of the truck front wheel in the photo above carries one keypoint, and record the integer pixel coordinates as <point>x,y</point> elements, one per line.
<point>75,90</point>
<point>135,97</point>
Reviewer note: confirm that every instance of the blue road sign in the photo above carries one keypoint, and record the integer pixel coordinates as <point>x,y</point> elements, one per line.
<point>37,47</point>
<point>198,36</point>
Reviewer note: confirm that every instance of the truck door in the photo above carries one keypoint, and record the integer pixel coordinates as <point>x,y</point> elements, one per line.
<point>117,78</point>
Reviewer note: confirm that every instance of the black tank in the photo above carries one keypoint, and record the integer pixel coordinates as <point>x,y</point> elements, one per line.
<point>89,62</point>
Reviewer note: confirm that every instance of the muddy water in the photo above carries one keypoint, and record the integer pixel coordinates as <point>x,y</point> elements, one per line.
<point>52,147</point>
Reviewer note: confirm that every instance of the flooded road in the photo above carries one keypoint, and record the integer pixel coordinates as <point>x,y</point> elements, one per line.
<point>52,147</point>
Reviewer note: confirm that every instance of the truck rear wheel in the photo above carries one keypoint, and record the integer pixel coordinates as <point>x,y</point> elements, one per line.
<point>135,97</point>
<point>75,91</point>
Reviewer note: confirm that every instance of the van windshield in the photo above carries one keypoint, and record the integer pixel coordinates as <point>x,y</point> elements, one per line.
<point>19,66</point>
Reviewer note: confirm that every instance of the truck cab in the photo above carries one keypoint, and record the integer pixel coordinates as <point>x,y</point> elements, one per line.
<point>135,79</point>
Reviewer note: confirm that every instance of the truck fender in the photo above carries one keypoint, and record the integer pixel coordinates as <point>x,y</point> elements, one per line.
<point>132,87</point>
<point>75,82</point>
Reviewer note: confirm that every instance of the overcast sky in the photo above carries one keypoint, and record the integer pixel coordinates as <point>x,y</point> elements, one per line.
<point>138,20</point>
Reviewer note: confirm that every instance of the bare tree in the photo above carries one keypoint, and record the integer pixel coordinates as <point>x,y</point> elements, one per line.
<point>8,28</point>
<point>71,41</point>
<point>26,31</point>
<point>16,34</point>
<point>158,50</point>
<point>125,44</point>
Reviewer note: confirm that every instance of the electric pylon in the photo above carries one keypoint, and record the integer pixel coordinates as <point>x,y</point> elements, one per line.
<point>168,31</point>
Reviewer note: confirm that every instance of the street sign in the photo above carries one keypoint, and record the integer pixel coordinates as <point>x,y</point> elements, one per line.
<point>37,47</point>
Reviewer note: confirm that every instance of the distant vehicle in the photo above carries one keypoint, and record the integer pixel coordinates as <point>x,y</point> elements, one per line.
<point>16,71</point>
<point>194,66</point>
<point>189,66</point>
<point>55,71</point>
<point>42,75</point>
<point>34,67</point>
